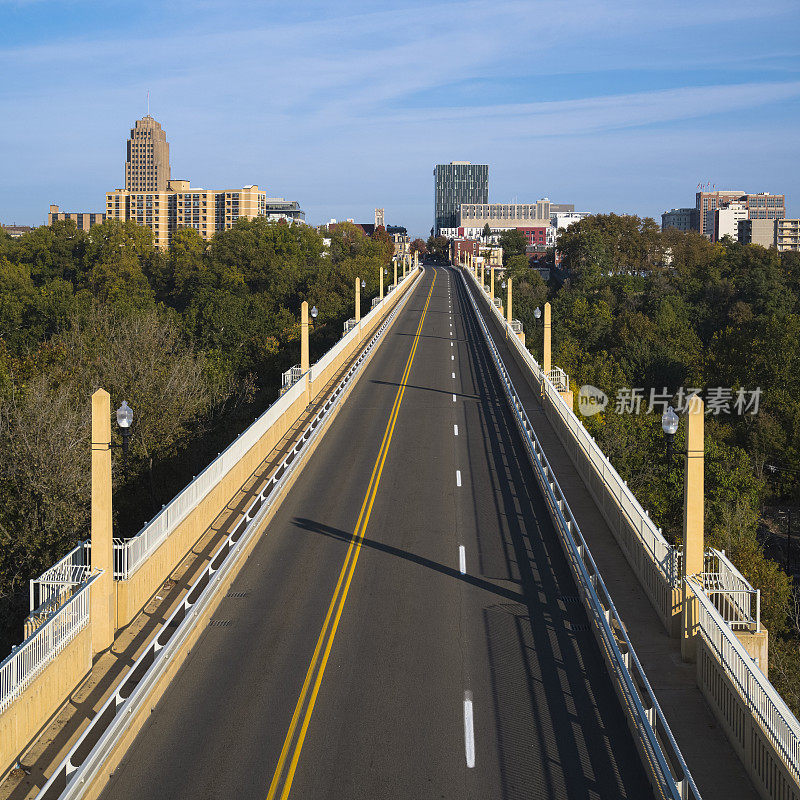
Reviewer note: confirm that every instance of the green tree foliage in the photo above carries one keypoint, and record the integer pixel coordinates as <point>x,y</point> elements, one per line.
<point>513,243</point>
<point>439,248</point>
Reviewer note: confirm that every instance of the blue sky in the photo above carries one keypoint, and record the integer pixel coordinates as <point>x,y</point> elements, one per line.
<point>616,106</point>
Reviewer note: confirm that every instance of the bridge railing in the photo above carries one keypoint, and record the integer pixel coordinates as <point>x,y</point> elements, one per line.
<point>653,558</point>
<point>27,661</point>
<point>760,725</point>
<point>660,754</point>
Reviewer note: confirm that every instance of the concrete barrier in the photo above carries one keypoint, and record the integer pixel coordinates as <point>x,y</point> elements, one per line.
<point>27,715</point>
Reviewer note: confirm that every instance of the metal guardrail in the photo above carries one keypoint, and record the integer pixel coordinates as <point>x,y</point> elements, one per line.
<point>775,718</point>
<point>668,767</point>
<point>28,660</point>
<point>663,554</point>
<point>86,756</point>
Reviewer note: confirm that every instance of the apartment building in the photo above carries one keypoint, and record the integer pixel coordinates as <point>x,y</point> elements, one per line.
<point>183,206</point>
<point>727,219</point>
<point>83,219</point>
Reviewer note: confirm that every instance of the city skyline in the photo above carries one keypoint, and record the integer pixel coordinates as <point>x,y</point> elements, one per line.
<point>352,112</point>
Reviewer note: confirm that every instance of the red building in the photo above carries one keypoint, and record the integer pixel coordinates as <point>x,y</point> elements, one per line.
<point>536,236</point>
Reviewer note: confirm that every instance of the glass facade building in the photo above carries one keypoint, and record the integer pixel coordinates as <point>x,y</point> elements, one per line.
<point>456,183</point>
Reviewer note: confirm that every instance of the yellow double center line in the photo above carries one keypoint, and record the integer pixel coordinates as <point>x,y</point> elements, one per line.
<point>325,640</point>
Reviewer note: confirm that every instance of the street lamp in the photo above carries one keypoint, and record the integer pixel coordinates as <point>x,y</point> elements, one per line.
<point>363,284</point>
<point>537,312</point>
<point>314,312</point>
<point>669,424</point>
<point>124,421</point>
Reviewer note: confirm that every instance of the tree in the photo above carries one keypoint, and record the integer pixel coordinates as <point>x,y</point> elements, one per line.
<point>439,248</point>
<point>514,243</point>
<point>418,246</point>
<point>487,232</point>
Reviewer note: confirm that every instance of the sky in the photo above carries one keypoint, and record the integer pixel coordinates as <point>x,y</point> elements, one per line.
<point>620,106</point>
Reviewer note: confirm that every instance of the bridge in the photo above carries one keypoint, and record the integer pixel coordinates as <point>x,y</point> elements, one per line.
<point>415,575</point>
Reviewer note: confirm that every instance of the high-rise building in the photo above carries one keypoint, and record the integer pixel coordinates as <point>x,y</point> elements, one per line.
<point>83,219</point>
<point>457,183</point>
<point>147,164</point>
<point>758,206</point>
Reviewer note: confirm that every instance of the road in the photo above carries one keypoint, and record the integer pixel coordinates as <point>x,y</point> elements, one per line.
<point>407,627</point>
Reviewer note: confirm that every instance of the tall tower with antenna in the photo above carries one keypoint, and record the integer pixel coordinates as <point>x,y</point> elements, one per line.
<point>147,163</point>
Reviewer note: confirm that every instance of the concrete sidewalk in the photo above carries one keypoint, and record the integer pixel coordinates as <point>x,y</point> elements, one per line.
<point>715,767</point>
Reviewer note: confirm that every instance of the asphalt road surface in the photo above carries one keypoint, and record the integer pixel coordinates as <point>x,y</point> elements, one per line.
<point>407,627</point>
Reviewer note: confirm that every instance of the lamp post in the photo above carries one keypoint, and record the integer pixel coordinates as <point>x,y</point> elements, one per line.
<point>103,598</point>
<point>314,313</point>
<point>693,510</point>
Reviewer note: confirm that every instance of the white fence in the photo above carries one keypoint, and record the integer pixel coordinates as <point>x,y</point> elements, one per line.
<point>290,377</point>
<point>774,717</point>
<point>70,571</point>
<point>20,668</point>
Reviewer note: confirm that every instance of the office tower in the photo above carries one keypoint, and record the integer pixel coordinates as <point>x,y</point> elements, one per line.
<point>457,183</point>
<point>147,164</point>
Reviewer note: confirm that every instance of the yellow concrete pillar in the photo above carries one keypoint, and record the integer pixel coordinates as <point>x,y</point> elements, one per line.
<point>491,277</point>
<point>508,307</point>
<point>358,299</point>
<point>381,272</point>
<point>483,274</point>
<point>693,511</point>
<point>304,348</point>
<point>103,599</point>
<point>305,360</point>
<point>416,259</point>
<point>395,273</point>
<point>546,355</point>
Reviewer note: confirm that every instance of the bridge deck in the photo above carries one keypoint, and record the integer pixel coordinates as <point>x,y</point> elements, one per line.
<point>415,638</point>
<point>714,765</point>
